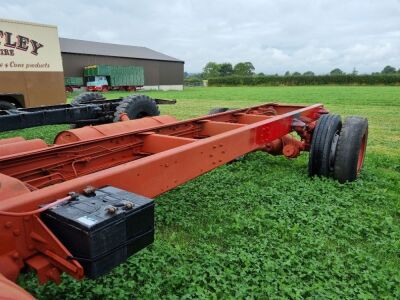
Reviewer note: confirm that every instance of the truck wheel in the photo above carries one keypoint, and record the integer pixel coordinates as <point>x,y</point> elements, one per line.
<point>136,107</point>
<point>86,98</point>
<point>323,145</point>
<point>218,110</point>
<point>5,105</point>
<point>130,88</point>
<point>351,149</point>
<point>104,89</point>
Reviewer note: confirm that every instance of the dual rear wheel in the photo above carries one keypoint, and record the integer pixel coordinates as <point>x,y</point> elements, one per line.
<point>338,150</point>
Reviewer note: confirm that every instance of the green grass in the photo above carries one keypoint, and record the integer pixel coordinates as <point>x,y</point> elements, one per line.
<point>260,227</point>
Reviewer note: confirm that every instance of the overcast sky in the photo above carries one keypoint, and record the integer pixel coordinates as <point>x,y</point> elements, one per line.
<point>275,35</point>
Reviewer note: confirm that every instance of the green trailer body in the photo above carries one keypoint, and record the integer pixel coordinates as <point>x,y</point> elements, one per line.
<point>118,75</point>
<point>73,81</point>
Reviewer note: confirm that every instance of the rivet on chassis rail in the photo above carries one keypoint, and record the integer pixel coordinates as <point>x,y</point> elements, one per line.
<point>8,225</point>
<point>15,255</point>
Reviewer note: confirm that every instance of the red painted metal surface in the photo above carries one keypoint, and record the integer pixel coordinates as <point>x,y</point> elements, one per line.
<point>141,159</point>
<point>21,147</point>
<point>90,132</point>
<point>11,140</point>
<point>10,291</point>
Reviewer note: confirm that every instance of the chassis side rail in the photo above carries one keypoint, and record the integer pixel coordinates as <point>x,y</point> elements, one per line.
<point>95,112</point>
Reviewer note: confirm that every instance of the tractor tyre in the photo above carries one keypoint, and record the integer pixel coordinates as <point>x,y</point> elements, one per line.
<point>351,149</point>
<point>218,110</point>
<point>82,99</point>
<point>136,107</point>
<point>86,98</point>
<point>5,105</point>
<point>323,145</point>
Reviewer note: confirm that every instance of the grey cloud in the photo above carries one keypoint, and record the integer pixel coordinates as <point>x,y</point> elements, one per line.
<point>276,36</point>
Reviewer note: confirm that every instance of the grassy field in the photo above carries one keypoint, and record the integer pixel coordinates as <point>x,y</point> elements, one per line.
<point>260,228</point>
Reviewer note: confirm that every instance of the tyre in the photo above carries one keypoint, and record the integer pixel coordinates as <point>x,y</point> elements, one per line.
<point>351,149</point>
<point>136,107</point>
<point>86,98</point>
<point>323,145</point>
<point>130,88</point>
<point>5,105</point>
<point>218,110</point>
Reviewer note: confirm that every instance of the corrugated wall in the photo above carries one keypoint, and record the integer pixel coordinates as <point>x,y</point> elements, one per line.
<point>155,72</point>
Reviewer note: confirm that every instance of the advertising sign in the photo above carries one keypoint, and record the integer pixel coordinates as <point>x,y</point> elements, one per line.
<point>29,47</point>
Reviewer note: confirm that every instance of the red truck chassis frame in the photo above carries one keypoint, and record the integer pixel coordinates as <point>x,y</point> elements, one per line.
<point>149,162</point>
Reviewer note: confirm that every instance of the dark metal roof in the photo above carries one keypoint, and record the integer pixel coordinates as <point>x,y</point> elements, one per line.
<point>105,49</point>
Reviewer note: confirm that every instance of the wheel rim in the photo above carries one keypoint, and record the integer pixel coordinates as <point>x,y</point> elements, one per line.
<point>361,154</point>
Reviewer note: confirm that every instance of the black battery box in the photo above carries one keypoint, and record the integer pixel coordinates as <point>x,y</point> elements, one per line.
<point>102,229</point>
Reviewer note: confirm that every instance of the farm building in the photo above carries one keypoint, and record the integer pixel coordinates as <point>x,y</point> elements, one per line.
<point>160,71</point>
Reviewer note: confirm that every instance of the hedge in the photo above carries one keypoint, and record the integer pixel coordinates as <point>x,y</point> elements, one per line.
<point>306,80</point>
<point>193,80</point>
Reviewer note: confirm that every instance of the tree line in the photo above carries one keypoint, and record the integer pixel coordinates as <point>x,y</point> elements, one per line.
<point>213,69</point>
<point>217,70</point>
<point>272,80</point>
